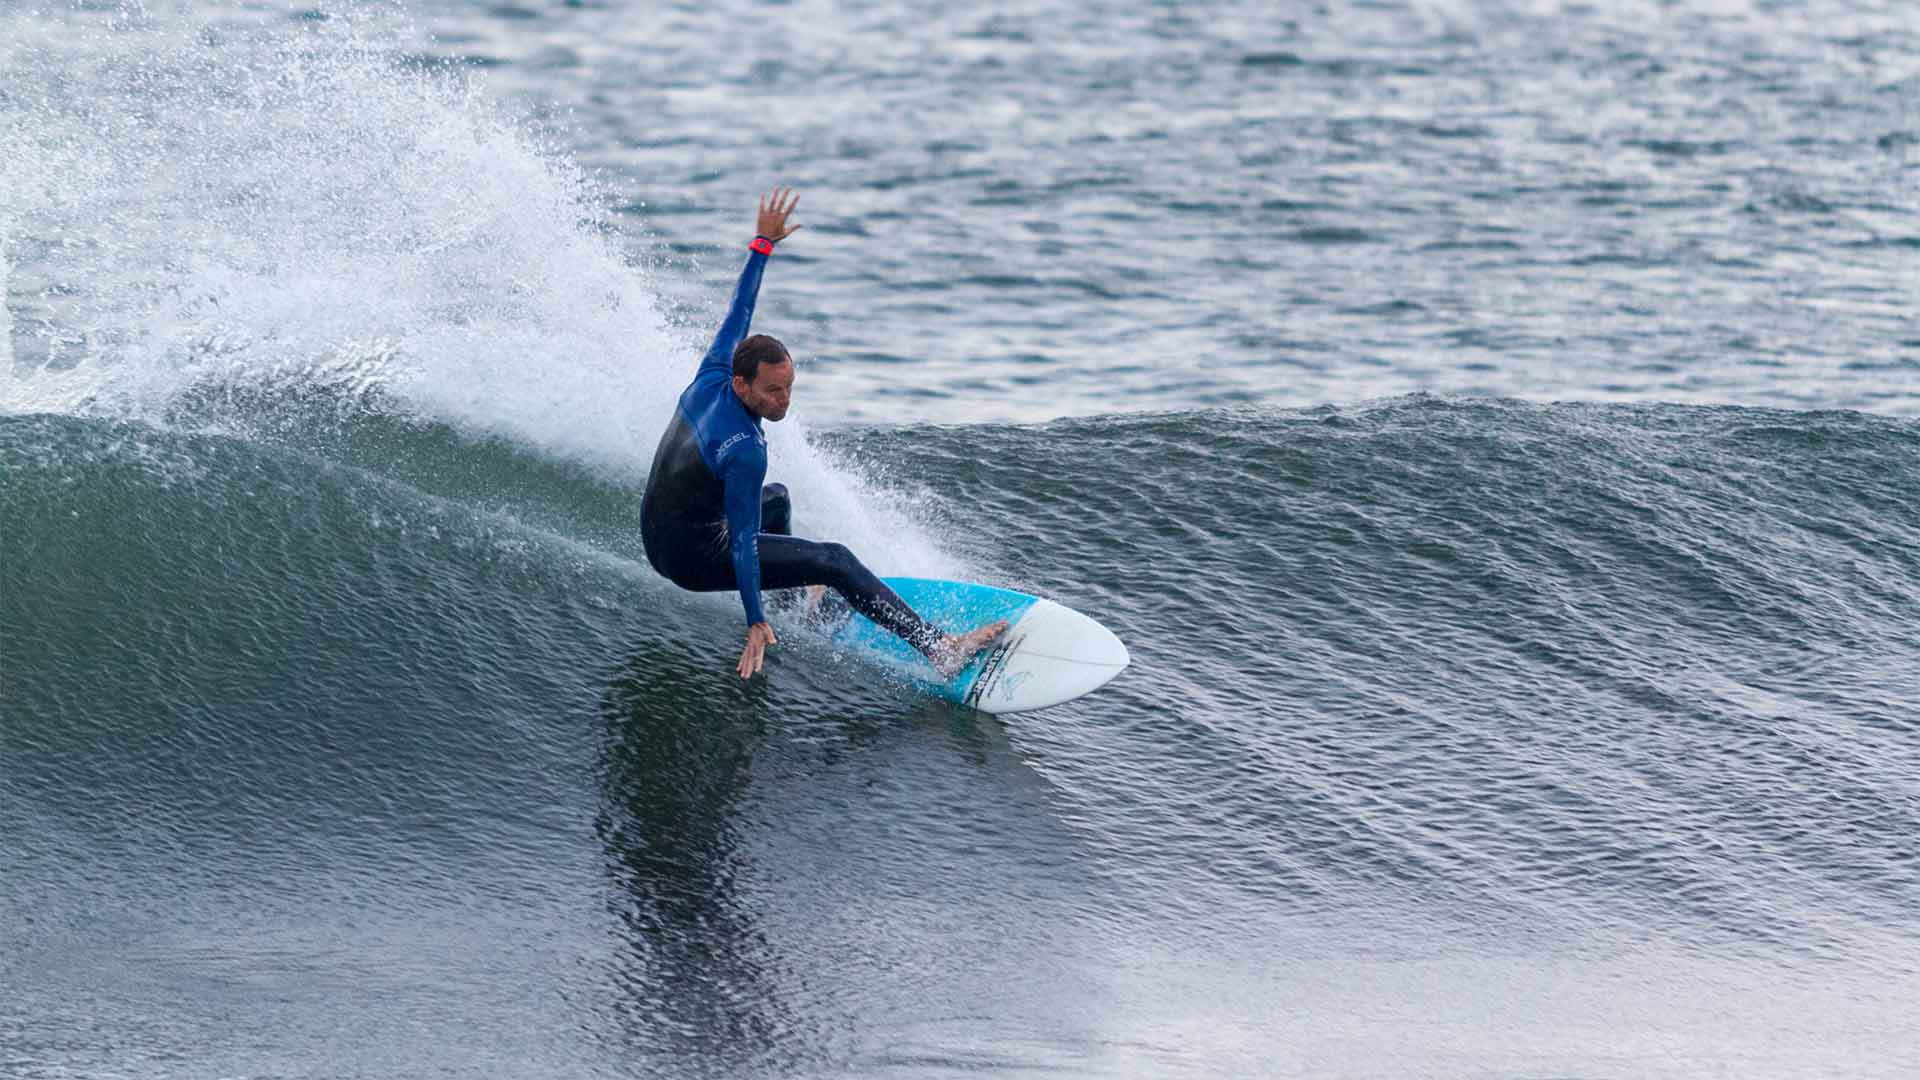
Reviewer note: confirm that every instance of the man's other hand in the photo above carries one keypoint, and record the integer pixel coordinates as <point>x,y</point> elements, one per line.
<point>759,636</point>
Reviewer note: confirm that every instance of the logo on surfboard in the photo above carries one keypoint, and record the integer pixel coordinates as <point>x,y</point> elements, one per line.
<point>993,672</point>
<point>1011,685</point>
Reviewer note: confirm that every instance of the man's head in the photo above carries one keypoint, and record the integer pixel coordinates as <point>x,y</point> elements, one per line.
<point>763,377</point>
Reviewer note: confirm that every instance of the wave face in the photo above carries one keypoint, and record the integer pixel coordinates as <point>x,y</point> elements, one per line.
<point>1606,710</point>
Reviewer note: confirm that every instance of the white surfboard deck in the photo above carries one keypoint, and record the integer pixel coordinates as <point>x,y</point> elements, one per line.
<point>1050,653</point>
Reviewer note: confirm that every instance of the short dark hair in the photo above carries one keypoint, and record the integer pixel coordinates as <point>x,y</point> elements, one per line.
<point>756,350</point>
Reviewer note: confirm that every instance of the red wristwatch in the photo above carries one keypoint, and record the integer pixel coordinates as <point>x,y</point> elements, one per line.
<point>762,245</point>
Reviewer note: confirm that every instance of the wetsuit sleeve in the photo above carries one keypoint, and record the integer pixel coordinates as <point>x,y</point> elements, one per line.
<point>742,474</point>
<point>739,316</point>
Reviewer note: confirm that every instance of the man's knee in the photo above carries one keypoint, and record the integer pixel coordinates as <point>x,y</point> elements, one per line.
<point>839,558</point>
<point>776,509</point>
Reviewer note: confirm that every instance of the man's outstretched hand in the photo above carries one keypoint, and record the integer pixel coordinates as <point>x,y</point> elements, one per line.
<point>759,636</point>
<point>774,208</point>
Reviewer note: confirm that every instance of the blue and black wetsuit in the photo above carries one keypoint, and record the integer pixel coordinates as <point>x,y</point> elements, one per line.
<point>710,522</point>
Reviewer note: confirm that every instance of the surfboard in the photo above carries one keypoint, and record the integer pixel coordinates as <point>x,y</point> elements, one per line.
<point>1050,653</point>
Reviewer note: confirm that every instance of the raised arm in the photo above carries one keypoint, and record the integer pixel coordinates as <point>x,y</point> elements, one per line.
<point>770,228</point>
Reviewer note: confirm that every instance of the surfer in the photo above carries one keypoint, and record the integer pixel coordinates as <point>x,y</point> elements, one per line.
<point>710,522</point>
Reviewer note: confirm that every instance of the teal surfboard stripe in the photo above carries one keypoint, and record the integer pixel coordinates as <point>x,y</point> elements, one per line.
<point>953,606</point>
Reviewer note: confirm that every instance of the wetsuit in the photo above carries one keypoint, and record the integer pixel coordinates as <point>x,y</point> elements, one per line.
<point>710,522</point>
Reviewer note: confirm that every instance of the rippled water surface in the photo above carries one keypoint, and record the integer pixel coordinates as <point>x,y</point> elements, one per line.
<point>1491,426</point>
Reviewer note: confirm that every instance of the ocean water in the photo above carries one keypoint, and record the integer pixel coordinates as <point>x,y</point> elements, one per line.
<point>1494,427</point>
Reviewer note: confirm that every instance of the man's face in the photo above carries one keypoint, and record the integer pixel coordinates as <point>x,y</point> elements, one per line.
<point>770,393</point>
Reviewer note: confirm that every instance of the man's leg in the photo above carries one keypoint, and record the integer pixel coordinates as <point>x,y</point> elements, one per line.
<point>776,517</point>
<point>787,562</point>
<point>776,510</point>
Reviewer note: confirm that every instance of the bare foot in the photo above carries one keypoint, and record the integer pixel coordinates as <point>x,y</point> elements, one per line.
<point>814,595</point>
<point>955,650</point>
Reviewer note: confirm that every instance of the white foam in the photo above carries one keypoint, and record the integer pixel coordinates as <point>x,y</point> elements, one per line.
<point>6,308</point>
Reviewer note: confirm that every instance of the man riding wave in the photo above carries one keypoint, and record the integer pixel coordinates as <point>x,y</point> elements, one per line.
<point>709,520</point>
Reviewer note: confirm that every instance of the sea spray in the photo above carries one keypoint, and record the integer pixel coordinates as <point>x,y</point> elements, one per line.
<point>238,216</point>
<point>6,307</point>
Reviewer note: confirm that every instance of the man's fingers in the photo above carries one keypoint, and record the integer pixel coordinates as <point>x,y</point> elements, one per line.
<point>754,656</point>
<point>775,205</point>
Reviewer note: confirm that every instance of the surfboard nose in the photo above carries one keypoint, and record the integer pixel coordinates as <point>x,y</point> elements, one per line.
<point>1100,646</point>
<point>1054,654</point>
